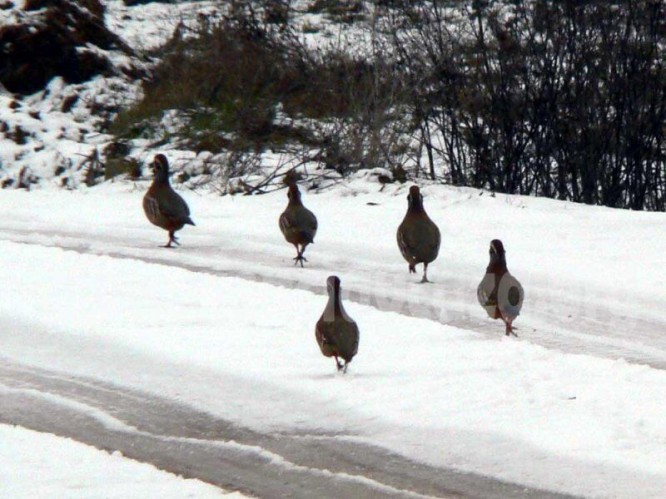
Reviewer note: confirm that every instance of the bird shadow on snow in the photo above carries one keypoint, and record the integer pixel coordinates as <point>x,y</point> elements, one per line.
<point>351,375</point>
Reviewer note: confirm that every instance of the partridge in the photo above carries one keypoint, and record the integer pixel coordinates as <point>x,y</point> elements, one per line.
<point>297,223</point>
<point>499,292</point>
<point>336,332</point>
<point>418,236</point>
<point>163,206</point>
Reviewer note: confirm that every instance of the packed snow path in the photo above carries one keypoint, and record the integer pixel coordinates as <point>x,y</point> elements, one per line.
<point>594,277</point>
<point>195,444</point>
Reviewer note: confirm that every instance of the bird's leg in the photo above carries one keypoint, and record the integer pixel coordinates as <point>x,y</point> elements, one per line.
<point>425,273</point>
<point>338,363</point>
<point>509,329</point>
<point>303,259</point>
<point>299,257</point>
<point>172,239</point>
<point>168,244</point>
<point>344,368</point>
<point>412,268</point>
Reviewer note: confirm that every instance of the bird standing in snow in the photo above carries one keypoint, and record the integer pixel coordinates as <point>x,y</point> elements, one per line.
<point>337,334</point>
<point>297,223</point>
<point>162,205</point>
<point>418,236</point>
<point>499,293</point>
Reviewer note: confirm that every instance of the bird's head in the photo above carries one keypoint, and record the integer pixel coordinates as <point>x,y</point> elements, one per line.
<point>415,198</point>
<point>333,285</point>
<point>294,194</point>
<point>497,252</point>
<point>160,167</point>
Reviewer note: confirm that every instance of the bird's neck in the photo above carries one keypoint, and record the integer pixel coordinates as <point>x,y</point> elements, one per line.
<point>334,305</point>
<point>161,179</point>
<point>497,266</point>
<point>416,209</point>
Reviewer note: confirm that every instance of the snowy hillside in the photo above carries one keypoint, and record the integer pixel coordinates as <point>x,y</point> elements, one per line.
<point>55,137</point>
<point>59,136</point>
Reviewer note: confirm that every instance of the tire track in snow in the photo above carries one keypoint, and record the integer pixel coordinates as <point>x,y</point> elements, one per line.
<point>591,328</point>
<point>183,440</point>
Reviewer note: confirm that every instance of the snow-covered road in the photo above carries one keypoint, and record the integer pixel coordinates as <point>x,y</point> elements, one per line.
<point>580,416</point>
<point>595,278</point>
<point>193,443</point>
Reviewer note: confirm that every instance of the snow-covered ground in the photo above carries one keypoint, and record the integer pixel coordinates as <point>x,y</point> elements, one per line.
<point>574,405</point>
<point>36,464</point>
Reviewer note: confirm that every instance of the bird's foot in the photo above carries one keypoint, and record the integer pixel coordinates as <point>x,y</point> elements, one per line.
<point>340,366</point>
<point>510,331</point>
<point>424,280</point>
<point>300,259</point>
<point>172,240</point>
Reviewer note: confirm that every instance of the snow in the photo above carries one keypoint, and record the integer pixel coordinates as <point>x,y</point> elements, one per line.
<point>558,408</point>
<point>148,26</point>
<point>54,145</point>
<point>575,404</point>
<point>36,464</point>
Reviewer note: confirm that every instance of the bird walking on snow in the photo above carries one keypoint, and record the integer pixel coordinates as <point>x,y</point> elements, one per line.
<point>337,334</point>
<point>499,293</point>
<point>297,223</point>
<point>163,206</point>
<point>418,236</point>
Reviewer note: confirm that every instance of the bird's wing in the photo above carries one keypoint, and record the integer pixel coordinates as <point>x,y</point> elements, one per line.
<point>312,222</point>
<point>172,205</point>
<point>406,241</point>
<point>355,338</point>
<point>326,337</point>
<point>151,206</point>
<point>510,296</point>
<point>286,223</point>
<point>307,221</point>
<point>434,238</point>
<point>485,291</point>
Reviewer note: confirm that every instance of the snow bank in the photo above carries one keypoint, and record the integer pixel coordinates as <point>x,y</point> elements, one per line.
<point>36,464</point>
